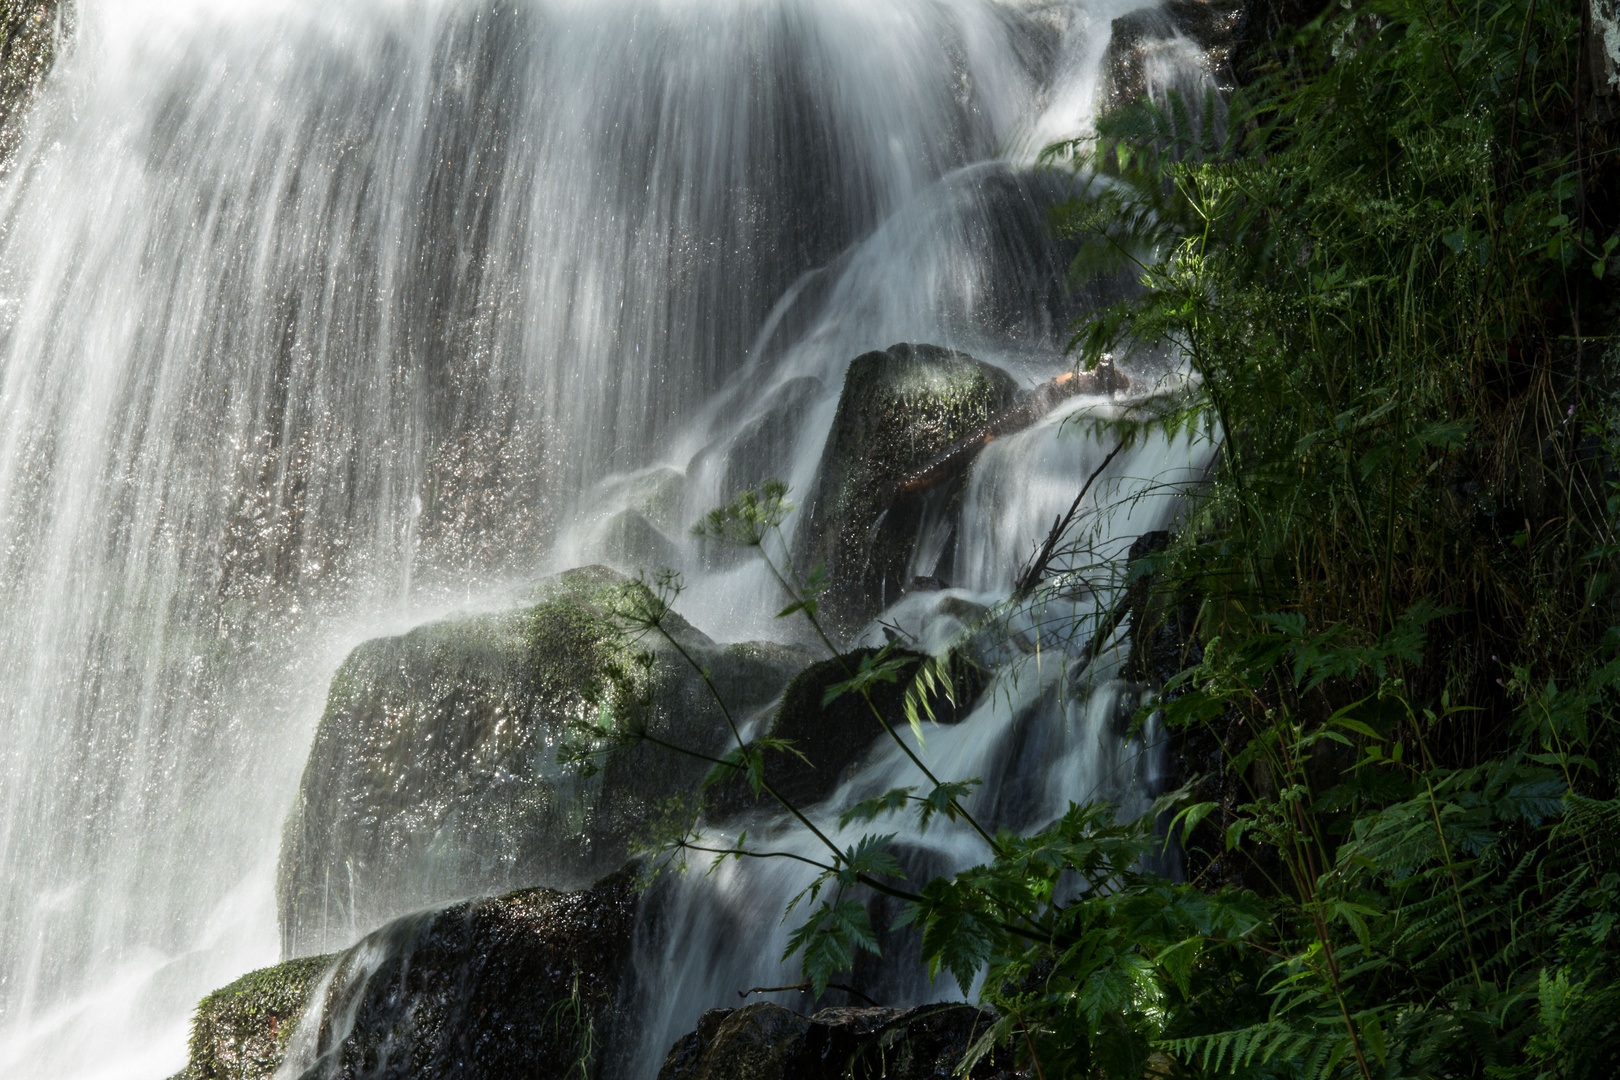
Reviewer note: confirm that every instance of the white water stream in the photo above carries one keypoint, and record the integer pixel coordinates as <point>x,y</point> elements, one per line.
<point>320,319</point>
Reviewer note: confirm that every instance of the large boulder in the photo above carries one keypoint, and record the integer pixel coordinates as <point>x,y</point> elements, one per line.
<point>434,775</point>
<point>765,1041</point>
<point>521,985</point>
<point>900,410</point>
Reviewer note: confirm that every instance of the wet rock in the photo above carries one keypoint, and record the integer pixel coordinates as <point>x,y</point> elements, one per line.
<point>763,446</point>
<point>1031,406</point>
<point>32,34</point>
<point>433,774</point>
<point>522,985</point>
<point>657,494</point>
<point>834,737</point>
<point>629,540</point>
<point>900,409</point>
<point>241,1032</point>
<point>760,449</point>
<point>1149,51</point>
<point>764,1041</point>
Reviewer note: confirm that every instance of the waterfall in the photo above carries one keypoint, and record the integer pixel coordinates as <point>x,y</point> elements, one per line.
<point>318,320</point>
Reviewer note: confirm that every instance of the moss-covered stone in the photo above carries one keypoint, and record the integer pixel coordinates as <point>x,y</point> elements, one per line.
<point>241,1031</point>
<point>899,410</point>
<point>433,774</point>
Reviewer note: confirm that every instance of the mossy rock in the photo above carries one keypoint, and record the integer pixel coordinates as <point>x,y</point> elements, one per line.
<point>900,409</point>
<point>433,774</point>
<point>241,1032</point>
<point>835,737</point>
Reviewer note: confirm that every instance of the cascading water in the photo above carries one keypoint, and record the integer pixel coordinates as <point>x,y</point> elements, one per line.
<point>319,320</point>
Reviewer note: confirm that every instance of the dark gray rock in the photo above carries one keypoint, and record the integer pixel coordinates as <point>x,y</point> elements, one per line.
<point>1205,27</point>
<point>834,737</point>
<point>525,985</point>
<point>629,540</point>
<point>764,1041</point>
<point>1263,34</point>
<point>900,410</point>
<point>433,774</point>
<point>762,447</point>
<point>759,449</point>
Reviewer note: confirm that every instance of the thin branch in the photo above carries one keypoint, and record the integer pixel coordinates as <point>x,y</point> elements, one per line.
<point>1036,570</point>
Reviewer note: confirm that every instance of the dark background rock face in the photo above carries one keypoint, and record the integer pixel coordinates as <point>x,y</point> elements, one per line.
<point>900,409</point>
<point>764,1041</point>
<point>1263,33</point>
<point>519,986</point>
<point>433,773</point>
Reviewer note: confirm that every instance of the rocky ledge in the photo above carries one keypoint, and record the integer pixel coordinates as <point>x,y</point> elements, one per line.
<point>764,1041</point>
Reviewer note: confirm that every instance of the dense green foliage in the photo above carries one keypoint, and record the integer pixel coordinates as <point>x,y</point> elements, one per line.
<point>1383,261</point>
<point>1400,572</point>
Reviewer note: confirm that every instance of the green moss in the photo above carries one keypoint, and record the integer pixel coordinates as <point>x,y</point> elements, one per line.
<point>241,1032</point>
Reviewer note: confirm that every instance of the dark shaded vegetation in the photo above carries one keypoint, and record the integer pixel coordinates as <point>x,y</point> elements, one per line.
<point>1387,261</point>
